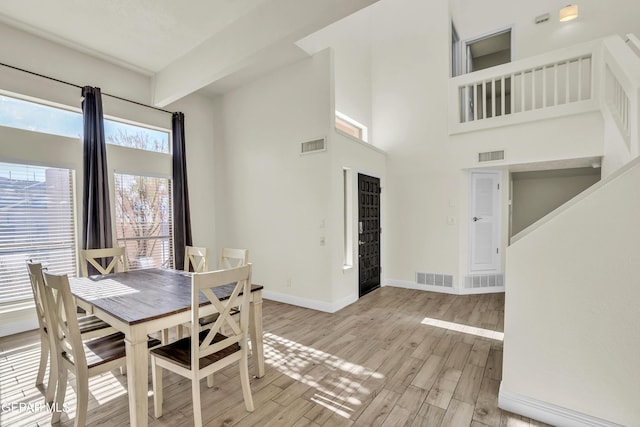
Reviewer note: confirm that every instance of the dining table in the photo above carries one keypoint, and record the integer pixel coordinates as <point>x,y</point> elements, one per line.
<point>142,302</point>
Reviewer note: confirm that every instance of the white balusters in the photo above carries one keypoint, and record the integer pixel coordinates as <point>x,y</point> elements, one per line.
<point>533,88</point>
<point>618,103</point>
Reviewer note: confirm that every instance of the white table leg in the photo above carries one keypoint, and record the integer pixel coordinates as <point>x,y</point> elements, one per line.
<point>137,377</point>
<point>255,323</point>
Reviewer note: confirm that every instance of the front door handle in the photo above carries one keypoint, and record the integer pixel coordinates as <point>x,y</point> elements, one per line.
<point>475,218</point>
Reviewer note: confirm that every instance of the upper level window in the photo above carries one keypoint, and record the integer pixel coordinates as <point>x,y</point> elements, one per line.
<point>22,114</point>
<point>351,127</point>
<point>37,223</point>
<point>127,135</point>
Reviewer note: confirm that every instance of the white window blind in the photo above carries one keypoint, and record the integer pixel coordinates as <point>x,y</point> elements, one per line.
<point>36,222</point>
<point>144,220</point>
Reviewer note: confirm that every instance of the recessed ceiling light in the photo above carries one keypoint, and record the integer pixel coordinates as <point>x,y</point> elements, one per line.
<point>568,13</point>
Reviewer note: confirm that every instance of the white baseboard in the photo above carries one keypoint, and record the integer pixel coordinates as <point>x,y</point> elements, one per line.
<point>547,412</point>
<point>327,307</point>
<point>442,289</point>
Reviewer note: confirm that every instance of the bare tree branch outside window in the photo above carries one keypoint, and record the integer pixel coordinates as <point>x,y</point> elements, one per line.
<point>143,211</point>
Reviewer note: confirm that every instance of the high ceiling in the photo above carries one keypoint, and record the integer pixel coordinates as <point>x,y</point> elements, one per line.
<point>184,45</point>
<point>215,45</point>
<point>145,34</point>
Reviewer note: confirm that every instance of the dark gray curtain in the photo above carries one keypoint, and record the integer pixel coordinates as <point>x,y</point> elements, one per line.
<point>96,212</point>
<point>181,215</point>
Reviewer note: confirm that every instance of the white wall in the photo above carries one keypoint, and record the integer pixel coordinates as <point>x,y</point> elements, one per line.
<point>276,199</point>
<point>350,40</point>
<point>545,140</point>
<point>535,194</point>
<point>571,328</point>
<point>409,71</point>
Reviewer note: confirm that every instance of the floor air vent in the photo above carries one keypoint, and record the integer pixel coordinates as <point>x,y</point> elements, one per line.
<point>489,156</point>
<point>313,146</point>
<point>435,279</point>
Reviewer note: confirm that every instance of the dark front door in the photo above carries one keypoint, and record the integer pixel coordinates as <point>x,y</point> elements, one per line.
<point>368,233</point>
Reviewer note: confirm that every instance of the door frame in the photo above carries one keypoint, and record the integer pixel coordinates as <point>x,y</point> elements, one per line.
<point>498,215</point>
<point>466,46</point>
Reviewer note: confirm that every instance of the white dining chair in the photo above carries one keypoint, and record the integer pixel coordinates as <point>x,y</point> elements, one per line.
<point>84,359</point>
<point>229,258</point>
<point>209,351</point>
<point>88,326</point>
<point>92,256</point>
<point>195,258</point>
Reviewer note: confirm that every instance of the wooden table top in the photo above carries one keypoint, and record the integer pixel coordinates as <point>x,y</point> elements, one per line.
<point>142,295</point>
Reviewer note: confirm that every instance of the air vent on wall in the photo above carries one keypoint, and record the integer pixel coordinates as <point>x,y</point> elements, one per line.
<point>489,156</point>
<point>434,279</point>
<point>542,18</point>
<point>313,146</point>
<point>484,281</point>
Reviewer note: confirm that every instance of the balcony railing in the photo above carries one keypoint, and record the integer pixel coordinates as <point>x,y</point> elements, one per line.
<point>621,97</point>
<point>557,83</point>
<point>600,75</point>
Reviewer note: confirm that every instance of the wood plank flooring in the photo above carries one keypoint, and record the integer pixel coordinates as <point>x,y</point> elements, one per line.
<point>397,357</point>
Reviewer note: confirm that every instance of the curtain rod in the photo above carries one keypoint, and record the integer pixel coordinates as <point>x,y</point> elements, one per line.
<point>80,87</point>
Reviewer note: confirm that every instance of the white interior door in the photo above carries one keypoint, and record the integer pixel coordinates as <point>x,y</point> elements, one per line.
<point>484,221</point>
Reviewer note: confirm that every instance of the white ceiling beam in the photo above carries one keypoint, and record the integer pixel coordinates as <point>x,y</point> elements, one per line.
<point>275,24</point>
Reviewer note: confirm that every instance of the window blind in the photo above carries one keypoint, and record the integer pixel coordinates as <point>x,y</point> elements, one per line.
<point>37,223</point>
<point>144,223</point>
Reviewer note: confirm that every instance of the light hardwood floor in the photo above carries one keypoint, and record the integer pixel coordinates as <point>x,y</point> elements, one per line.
<point>397,357</point>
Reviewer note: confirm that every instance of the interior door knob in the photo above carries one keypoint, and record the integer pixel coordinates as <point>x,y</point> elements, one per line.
<point>475,218</point>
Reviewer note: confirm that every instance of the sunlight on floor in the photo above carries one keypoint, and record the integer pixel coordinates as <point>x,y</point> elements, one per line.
<point>333,406</point>
<point>23,402</point>
<point>465,329</point>
<point>338,383</point>
<point>106,387</point>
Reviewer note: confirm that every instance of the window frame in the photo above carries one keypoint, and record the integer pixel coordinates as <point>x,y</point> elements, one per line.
<point>68,266</point>
<point>348,122</point>
<point>108,118</point>
<point>115,226</point>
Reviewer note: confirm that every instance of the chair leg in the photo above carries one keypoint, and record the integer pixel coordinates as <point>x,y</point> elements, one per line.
<point>61,390</point>
<point>82,398</point>
<point>197,409</point>
<point>49,393</point>
<point>44,356</point>
<point>244,380</point>
<point>123,370</point>
<point>210,380</point>
<point>156,378</point>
